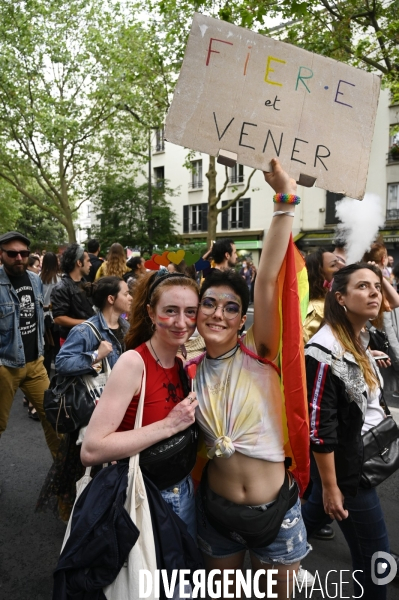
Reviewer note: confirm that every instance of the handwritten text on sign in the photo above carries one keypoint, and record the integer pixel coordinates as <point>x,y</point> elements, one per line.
<point>247,94</point>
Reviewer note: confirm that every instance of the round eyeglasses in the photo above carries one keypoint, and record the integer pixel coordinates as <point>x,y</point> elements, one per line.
<point>208,307</point>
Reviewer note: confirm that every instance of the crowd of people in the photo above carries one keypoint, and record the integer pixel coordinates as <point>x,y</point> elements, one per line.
<point>114,321</point>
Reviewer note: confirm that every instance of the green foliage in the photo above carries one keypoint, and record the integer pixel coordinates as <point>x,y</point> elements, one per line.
<point>80,81</point>
<point>360,32</point>
<point>45,232</point>
<point>9,207</point>
<point>122,207</point>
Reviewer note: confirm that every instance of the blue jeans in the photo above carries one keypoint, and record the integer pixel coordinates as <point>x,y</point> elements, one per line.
<point>181,499</point>
<point>364,531</point>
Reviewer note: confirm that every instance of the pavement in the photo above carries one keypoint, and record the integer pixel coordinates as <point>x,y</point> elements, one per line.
<point>30,543</point>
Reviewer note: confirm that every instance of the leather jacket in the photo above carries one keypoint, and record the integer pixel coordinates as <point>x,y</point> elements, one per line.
<point>68,299</point>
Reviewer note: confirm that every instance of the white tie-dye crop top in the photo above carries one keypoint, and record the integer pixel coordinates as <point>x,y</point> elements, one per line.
<point>240,405</point>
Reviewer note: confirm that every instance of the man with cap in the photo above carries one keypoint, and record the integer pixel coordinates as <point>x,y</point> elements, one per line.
<point>70,305</point>
<point>21,333</point>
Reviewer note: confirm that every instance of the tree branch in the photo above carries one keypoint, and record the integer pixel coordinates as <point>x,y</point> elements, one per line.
<point>238,196</point>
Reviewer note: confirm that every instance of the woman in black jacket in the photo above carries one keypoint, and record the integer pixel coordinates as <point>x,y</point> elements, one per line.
<point>344,389</point>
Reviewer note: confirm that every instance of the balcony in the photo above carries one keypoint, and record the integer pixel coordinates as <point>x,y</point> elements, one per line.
<point>195,185</point>
<point>392,214</point>
<point>393,155</point>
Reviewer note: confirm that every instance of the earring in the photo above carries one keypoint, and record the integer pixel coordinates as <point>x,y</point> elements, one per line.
<point>153,328</point>
<point>344,307</point>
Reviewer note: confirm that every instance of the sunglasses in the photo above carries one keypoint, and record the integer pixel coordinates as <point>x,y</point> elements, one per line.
<point>14,253</point>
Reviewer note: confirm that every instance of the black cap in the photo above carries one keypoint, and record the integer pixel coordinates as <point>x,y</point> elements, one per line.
<point>14,235</point>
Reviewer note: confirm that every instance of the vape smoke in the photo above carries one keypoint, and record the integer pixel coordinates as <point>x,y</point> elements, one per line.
<point>360,221</point>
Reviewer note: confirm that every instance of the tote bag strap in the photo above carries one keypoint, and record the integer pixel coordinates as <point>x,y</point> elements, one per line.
<point>134,460</point>
<point>94,330</point>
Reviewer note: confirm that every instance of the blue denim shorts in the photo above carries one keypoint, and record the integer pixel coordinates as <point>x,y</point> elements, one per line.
<point>181,498</point>
<point>290,545</point>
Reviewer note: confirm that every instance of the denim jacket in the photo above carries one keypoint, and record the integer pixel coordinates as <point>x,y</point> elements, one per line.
<point>74,358</point>
<point>11,345</point>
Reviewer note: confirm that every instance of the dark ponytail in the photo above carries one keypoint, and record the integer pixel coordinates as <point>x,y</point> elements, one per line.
<point>102,288</point>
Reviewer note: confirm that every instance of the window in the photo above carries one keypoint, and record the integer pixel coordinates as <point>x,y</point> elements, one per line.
<point>393,154</point>
<point>195,217</point>
<point>393,201</point>
<point>196,174</point>
<point>159,175</point>
<point>238,216</point>
<point>331,199</point>
<point>394,134</point>
<point>237,174</point>
<point>159,140</point>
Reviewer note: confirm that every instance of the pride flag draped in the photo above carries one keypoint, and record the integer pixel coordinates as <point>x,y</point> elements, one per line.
<point>293,301</point>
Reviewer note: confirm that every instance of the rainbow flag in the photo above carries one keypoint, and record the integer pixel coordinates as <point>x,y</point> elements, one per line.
<point>293,303</point>
<point>294,298</point>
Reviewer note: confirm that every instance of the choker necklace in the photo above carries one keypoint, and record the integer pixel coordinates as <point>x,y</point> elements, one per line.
<point>164,370</point>
<point>226,355</point>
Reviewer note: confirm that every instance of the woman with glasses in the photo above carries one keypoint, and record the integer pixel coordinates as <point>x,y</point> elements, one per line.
<point>247,500</point>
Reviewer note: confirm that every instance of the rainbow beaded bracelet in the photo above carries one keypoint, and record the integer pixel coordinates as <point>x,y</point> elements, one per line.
<point>286,199</point>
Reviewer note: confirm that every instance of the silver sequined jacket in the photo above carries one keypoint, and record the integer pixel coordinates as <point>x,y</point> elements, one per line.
<point>337,398</point>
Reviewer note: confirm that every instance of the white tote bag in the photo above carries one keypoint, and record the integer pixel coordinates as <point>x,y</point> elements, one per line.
<point>80,486</point>
<point>142,555</point>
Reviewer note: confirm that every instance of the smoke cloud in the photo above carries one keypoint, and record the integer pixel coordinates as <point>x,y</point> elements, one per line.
<point>360,221</point>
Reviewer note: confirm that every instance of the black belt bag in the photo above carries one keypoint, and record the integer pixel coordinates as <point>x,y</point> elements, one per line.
<point>169,461</point>
<point>380,453</point>
<point>240,523</point>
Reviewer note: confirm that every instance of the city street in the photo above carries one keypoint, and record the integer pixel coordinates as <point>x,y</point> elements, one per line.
<point>30,543</point>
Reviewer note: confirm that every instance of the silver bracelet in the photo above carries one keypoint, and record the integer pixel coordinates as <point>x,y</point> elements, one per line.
<point>283,212</point>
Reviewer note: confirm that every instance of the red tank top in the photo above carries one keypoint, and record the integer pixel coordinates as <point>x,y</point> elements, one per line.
<point>163,391</point>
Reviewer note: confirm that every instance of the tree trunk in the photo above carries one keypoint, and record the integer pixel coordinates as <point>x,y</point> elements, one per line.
<point>70,229</point>
<point>212,202</point>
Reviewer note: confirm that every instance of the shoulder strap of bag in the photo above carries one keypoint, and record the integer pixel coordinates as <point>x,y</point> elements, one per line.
<point>383,402</point>
<point>134,460</point>
<point>94,330</point>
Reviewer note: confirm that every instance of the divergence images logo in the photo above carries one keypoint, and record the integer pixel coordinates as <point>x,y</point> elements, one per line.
<point>383,568</point>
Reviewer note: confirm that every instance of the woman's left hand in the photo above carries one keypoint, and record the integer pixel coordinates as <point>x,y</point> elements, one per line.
<point>333,502</point>
<point>382,363</point>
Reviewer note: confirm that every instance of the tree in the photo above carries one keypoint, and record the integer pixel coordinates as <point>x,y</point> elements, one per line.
<point>9,207</point>
<point>44,231</point>
<point>214,197</point>
<point>68,71</point>
<point>123,211</point>
<point>364,33</point>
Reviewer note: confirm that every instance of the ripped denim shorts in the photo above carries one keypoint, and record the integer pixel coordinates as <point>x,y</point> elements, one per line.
<point>290,545</point>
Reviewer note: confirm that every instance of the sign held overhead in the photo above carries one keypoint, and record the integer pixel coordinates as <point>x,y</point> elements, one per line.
<point>247,98</point>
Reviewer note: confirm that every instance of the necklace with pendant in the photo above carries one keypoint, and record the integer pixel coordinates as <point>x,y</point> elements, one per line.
<point>165,371</point>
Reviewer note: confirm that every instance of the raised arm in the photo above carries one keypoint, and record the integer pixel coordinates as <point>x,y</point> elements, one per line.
<point>266,326</point>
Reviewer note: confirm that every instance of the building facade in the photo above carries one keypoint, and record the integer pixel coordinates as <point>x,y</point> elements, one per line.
<point>245,221</point>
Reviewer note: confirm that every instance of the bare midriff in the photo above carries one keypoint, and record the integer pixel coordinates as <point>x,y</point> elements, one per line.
<point>245,480</point>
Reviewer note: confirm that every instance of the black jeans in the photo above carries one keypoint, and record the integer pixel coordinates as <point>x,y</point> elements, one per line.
<point>364,531</point>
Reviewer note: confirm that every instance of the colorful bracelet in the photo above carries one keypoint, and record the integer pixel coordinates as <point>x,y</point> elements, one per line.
<point>286,198</point>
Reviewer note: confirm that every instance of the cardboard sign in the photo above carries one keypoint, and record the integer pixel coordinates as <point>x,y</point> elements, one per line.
<point>248,98</point>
